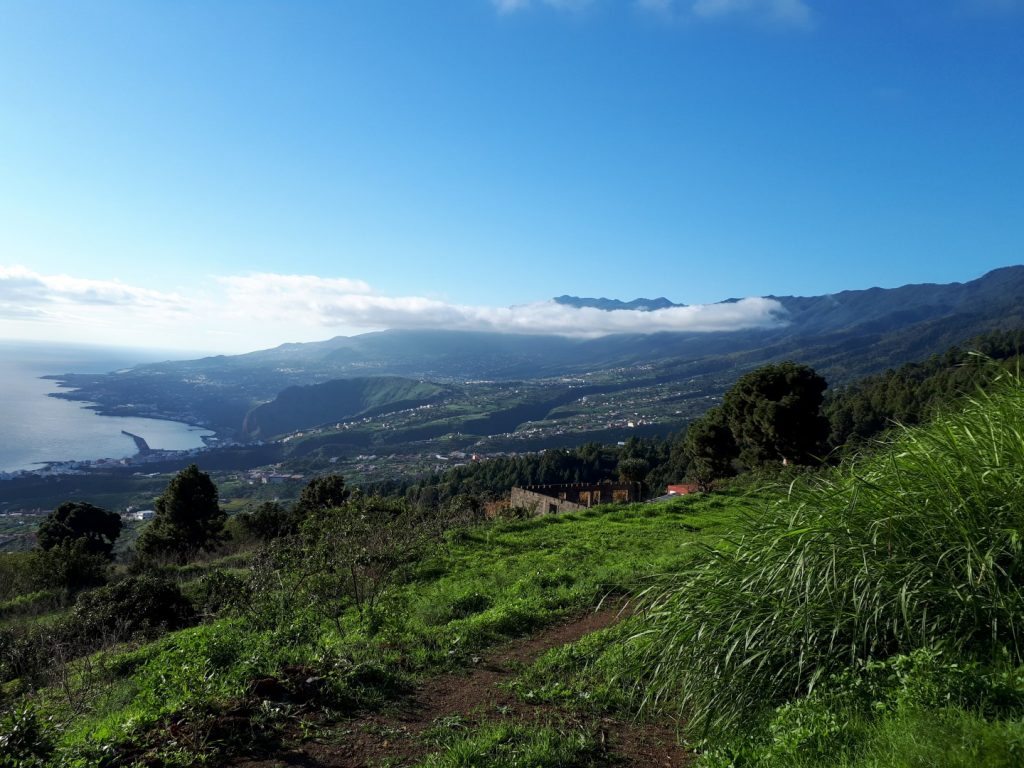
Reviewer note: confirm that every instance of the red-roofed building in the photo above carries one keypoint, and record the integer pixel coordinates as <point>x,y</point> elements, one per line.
<point>681,490</point>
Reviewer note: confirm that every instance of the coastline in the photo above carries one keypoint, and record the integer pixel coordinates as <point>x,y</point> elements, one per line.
<point>72,394</point>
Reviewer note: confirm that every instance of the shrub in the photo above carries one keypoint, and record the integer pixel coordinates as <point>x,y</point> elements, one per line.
<point>16,577</point>
<point>221,592</point>
<point>69,566</point>
<point>269,520</point>
<point>20,655</point>
<point>344,556</point>
<point>137,604</point>
<point>923,709</point>
<point>24,739</point>
<point>37,602</point>
<point>919,545</point>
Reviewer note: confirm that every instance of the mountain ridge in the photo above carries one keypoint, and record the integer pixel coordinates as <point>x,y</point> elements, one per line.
<point>642,305</point>
<point>848,333</point>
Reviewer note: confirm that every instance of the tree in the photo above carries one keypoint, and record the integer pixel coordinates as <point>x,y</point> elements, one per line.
<point>710,449</point>
<point>364,545</point>
<point>69,565</point>
<point>774,414</point>
<point>269,520</point>
<point>188,518</point>
<point>320,493</point>
<point>345,555</point>
<point>97,528</point>
<point>633,470</point>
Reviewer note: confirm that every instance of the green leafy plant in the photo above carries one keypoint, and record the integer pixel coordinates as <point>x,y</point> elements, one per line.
<point>919,545</point>
<point>25,738</point>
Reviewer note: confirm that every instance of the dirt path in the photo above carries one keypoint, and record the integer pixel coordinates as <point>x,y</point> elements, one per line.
<point>393,738</point>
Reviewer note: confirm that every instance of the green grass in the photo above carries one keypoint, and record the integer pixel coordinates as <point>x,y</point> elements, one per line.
<point>918,545</point>
<point>925,709</point>
<point>869,616</point>
<point>489,583</point>
<point>952,738</point>
<point>865,618</point>
<point>517,745</point>
<point>593,675</point>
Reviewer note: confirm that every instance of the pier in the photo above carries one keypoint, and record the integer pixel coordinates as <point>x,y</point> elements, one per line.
<point>140,443</point>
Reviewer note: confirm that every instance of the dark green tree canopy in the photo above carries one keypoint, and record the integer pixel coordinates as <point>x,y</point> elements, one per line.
<point>269,520</point>
<point>97,528</point>
<point>69,565</point>
<point>633,470</point>
<point>774,413</point>
<point>915,392</point>
<point>188,517</point>
<point>710,449</point>
<point>323,492</point>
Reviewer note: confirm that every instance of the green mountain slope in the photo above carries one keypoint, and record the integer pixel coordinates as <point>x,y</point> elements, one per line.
<point>303,407</point>
<point>844,335</point>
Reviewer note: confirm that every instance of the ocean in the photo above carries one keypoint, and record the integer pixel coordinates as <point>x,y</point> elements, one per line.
<point>38,429</point>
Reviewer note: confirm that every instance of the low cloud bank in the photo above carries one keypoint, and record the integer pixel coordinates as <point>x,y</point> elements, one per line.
<point>26,293</point>
<point>330,303</point>
<point>259,310</point>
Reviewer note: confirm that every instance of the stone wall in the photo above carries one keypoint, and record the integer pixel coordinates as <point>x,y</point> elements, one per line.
<point>540,504</point>
<point>546,499</point>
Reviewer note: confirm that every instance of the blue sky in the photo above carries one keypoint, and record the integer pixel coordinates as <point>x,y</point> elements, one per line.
<point>232,175</point>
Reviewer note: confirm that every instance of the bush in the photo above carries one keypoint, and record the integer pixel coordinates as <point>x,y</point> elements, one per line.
<point>16,576</point>
<point>22,655</point>
<point>917,546</point>
<point>269,520</point>
<point>137,604</point>
<point>921,709</point>
<point>40,601</point>
<point>345,556</point>
<point>24,739</point>
<point>221,592</point>
<point>70,566</point>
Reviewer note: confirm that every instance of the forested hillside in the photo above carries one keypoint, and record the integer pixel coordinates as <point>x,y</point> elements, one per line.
<point>843,335</point>
<point>911,393</point>
<point>824,623</point>
<point>299,408</point>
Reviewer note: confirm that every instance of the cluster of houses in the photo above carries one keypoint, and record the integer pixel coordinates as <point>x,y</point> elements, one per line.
<point>261,477</point>
<point>132,513</point>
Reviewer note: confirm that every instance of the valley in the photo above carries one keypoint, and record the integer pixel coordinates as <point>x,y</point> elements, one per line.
<point>390,406</point>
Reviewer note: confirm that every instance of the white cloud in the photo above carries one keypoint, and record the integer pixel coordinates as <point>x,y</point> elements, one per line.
<point>795,13</point>
<point>260,310</point>
<point>27,293</point>
<point>548,317</point>
<point>656,6</point>
<point>344,303</point>
<point>267,288</point>
<point>511,6</point>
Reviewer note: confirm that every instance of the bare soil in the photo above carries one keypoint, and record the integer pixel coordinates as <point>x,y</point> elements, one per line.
<point>395,738</point>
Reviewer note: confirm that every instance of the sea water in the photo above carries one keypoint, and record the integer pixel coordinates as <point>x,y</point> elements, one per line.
<point>36,428</point>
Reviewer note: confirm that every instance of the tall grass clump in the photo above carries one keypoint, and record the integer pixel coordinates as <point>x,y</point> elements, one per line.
<point>918,544</point>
